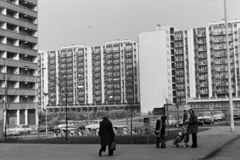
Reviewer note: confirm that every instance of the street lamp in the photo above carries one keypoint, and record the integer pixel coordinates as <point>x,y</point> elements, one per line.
<point>66,138</point>
<point>45,95</point>
<point>229,72</point>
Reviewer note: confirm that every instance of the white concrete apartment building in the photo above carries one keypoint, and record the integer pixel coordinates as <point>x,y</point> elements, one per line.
<point>155,68</point>
<point>18,61</point>
<point>198,67</point>
<point>95,77</point>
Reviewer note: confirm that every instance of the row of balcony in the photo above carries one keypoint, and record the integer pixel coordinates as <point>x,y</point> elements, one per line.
<point>18,36</point>
<point>18,22</point>
<point>221,39</point>
<point>222,32</point>
<point>17,49</point>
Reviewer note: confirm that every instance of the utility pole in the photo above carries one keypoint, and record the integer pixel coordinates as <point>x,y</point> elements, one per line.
<point>229,72</point>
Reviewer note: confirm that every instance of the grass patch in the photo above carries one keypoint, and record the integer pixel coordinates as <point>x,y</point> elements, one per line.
<point>136,139</point>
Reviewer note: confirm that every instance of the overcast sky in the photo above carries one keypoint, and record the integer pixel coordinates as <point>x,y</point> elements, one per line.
<point>93,22</point>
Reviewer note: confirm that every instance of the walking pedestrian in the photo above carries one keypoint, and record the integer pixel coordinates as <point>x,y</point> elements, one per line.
<point>160,131</point>
<point>106,135</point>
<point>193,127</point>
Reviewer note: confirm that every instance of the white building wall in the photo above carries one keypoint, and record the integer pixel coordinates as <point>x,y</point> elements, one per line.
<point>89,89</point>
<point>191,53</point>
<point>210,89</point>
<point>153,69</point>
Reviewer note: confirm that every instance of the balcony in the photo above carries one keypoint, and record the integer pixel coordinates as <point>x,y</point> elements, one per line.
<point>107,57</point>
<point>201,49</point>
<point>128,49</point>
<point>201,41</point>
<point>205,91</point>
<point>222,32</point>
<point>29,105</point>
<point>17,77</point>
<point>177,38</point>
<point>116,50</point>
<point>176,45</point>
<point>18,63</point>
<point>201,34</point>
<point>17,49</point>
<point>179,72</point>
<point>202,63</point>
<point>19,22</point>
<point>203,77</point>
<point>178,51</point>
<point>203,85</point>
<point>202,70</point>
<point>109,50</point>
<point>19,8</point>
<point>128,55</point>
<point>18,91</point>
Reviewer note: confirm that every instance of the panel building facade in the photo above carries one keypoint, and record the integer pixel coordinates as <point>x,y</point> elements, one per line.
<point>18,61</point>
<point>93,78</point>
<point>198,66</point>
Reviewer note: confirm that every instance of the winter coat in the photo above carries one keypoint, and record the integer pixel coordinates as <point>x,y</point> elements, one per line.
<point>106,132</point>
<point>185,117</point>
<point>157,127</point>
<point>193,124</point>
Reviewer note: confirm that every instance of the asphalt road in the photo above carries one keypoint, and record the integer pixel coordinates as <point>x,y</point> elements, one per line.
<point>229,152</point>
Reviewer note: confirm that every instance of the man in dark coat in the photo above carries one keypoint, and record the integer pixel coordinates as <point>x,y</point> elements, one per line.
<point>193,127</point>
<point>107,134</point>
<point>160,129</point>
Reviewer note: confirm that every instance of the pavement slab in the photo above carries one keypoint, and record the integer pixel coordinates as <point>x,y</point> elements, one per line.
<point>207,140</point>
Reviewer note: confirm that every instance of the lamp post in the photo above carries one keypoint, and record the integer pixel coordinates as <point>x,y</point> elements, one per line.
<point>35,90</point>
<point>45,95</point>
<point>131,122</point>
<point>229,72</point>
<point>66,138</point>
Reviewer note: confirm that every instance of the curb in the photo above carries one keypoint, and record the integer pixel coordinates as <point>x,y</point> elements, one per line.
<point>216,148</point>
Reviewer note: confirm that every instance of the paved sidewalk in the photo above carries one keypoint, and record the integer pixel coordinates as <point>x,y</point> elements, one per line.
<point>207,141</point>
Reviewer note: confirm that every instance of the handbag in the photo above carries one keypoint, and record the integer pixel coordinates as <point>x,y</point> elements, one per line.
<point>113,146</point>
<point>156,132</point>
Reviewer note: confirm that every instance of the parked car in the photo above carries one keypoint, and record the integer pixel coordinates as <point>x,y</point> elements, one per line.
<point>236,113</point>
<point>205,118</point>
<point>24,129</point>
<point>171,121</point>
<point>42,128</point>
<point>11,131</point>
<point>70,124</point>
<point>219,115</point>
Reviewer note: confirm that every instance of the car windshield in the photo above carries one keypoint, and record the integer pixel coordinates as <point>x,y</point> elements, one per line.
<point>217,113</point>
<point>204,114</point>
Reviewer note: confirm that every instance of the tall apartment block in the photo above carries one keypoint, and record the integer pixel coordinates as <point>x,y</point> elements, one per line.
<point>93,78</point>
<point>18,61</point>
<point>209,83</point>
<point>199,71</point>
<point>155,51</point>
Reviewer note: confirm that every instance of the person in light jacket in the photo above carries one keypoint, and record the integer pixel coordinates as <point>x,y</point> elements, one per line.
<point>193,127</point>
<point>106,135</point>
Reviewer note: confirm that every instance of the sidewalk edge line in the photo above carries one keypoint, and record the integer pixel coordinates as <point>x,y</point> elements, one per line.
<point>216,148</point>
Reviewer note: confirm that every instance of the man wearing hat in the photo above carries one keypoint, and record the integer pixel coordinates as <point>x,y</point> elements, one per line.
<point>106,134</point>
